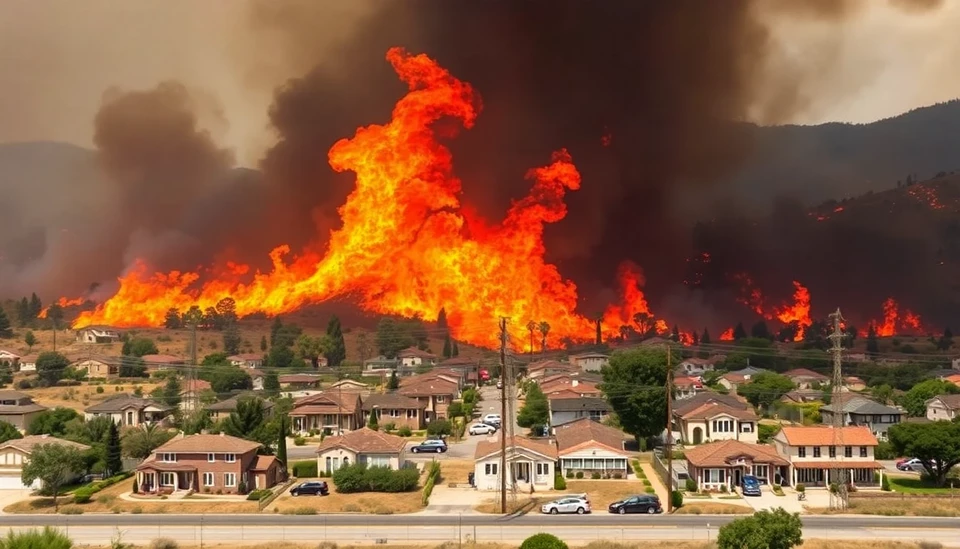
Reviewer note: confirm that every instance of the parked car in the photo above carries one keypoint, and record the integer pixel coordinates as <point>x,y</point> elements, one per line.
<point>576,505</point>
<point>491,418</point>
<point>637,504</point>
<point>432,446</point>
<point>482,429</point>
<point>750,485</point>
<point>499,384</point>
<point>915,464</point>
<point>310,488</point>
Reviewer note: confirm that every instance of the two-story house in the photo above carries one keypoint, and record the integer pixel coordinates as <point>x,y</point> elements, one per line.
<point>805,378</point>
<point>394,408</point>
<point>732,380</point>
<point>943,407</point>
<point>329,411</point>
<point>696,367</point>
<point>413,357</point>
<point>708,417</point>
<point>545,368</point>
<point>16,452</point>
<point>129,411</point>
<point>435,394</point>
<point>18,409</point>
<point>859,410</point>
<point>209,464</point>
<point>590,362</point>
<point>566,410</point>
<point>817,453</point>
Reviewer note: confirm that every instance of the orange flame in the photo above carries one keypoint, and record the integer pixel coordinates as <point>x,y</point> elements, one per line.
<point>750,294</point>
<point>634,303</point>
<point>686,338</point>
<point>799,312</point>
<point>727,335</point>
<point>63,302</point>
<point>894,323</point>
<point>407,246</point>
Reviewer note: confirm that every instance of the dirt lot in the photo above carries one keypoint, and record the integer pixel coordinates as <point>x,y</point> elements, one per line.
<point>369,502</point>
<point>710,508</point>
<point>455,470</point>
<point>85,395</point>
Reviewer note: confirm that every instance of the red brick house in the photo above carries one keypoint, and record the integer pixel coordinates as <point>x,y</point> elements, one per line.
<point>208,464</point>
<point>396,409</point>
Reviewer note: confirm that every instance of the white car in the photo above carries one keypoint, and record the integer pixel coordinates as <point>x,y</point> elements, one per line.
<point>578,505</point>
<point>482,429</point>
<point>491,418</point>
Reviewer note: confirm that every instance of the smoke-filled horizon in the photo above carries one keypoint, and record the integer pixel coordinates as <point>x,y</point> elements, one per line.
<point>647,96</point>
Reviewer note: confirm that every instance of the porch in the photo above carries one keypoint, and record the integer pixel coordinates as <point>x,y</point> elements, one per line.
<point>731,476</point>
<point>166,478</point>
<point>328,423</point>
<point>821,475</point>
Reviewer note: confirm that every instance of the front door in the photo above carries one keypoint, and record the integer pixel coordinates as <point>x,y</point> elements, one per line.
<point>737,476</point>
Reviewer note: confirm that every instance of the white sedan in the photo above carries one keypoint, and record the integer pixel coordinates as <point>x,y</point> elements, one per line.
<point>482,429</point>
<point>578,505</point>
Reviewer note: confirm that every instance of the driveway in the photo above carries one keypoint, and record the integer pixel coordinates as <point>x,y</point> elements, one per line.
<point>768,501</point>
<point>9,497</point>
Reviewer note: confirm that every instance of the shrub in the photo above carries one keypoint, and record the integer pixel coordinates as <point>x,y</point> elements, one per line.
<point>676,499</point>
<point>300,511</point>
<point>618,476</point>
<point>569,474</point>
<point>645,481</point>
<point>885,483</point>
<point>71,510</point>
<point>404,431</point>
<point>649,490</point>
<point>390,427</point>
<point>257,495</point>
<point>801,488</point>
<point>136,486</point>
<point>559,483</point>
<point>360,478</point>
<point>884,450</point>
<point>723,488</point>
<point>439,427</point>
<point>24,384</point>
<point>242,488</point>
<point>163,543</point>
<point>543,541</point>
<point>136,510</point>
<point>304,469</point>
<point>595,475</point>
<point>579,474</point>
<point>776,529</point>
<point>99,389</point>
<point>691,485</point>
<point>83,495</point>
<point>48,538</point>
<point>299,440</point>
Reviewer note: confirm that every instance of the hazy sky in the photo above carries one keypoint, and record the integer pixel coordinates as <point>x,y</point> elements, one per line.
<point>57,57</point>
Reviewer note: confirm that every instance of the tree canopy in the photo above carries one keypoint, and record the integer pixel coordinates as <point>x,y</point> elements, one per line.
<point>139,346</point>
<point>775,529</point>
<point>336,349</point>
<point>54,464</point>
<point>51,367</point>
<point>53,422</point>
<point>225,378</point>
<point>140,443</point>
<point>534,410</point>
<point>765,388</point>
<point>915,400</point>
<point>8,432</point>
<point>635,384</point>
<point>936,444</point>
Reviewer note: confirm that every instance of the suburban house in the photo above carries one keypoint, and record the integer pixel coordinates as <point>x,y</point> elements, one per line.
<point>14,453</point>
<point>208,463</point>
<point>28,363</point>
<point>18,409</point>
<point>806,379</point>
<point>191,393</point>
<point>588,446</point>
<point>952,378</point>
<point>955,363</point>
<point>817,452</point>
<point>129,411</point>
<point>9,358</point>
<point>246,360</point>
<point>393,408</point>
<point>725,462</point>
<point>380,364</point>
<point>102,368</point>
<point>300,381</point>
<point>584,385</point>
<point>222,409</point>
<point>374,448</point>
<point>854,383</point>
<point>156,363</point>
<point>546,368</point>
<point>590,362</point>
<point>530,464</point>
<point>943,407</point>
<point>565,410</point>
<point>860,410</point>
<point>256,377</point>
<point>350,385</point>
<point>412,357</point>
<point>686,387</point>
<point>709,417</point>
<point>696,366</point>
<point>98,334</point>
<point>732,380</point>
<point>801,396</point>
<point>331,411</point>
<point>435,394</point>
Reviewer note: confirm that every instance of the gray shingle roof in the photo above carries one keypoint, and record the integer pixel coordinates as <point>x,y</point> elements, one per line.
<point>861,405</point>
<point>576,404</point>
<point>123,402</point>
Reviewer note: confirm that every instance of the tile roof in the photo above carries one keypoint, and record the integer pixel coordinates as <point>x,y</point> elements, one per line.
<point>952,402</point>
<point>413,352</point>
<point>8,394</point>
<point>230,404</point>
<point>550,365</point>
<point>689,404</point>
<point>264,463</point>
<point>364,441</point>
<point>459,361</point>
<point>721,453</point>
<point>487,448</point>
<point>162,359</point>
<point>825,435</point>
<point>202,444</point>
<point>123,402</point>
<point>713,409</point>
<point>856,404</point>
<point>429,387</point>
<point>391,401</point>
<point>586,432</point>
<point>330,402</point>
<point>29,442</point>
<point>584,388</point>
<point>805,373</point>
<point>299,378</point>
<point>577,404</point>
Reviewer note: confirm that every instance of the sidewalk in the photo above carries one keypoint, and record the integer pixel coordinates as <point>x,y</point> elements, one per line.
<point>454,501</point>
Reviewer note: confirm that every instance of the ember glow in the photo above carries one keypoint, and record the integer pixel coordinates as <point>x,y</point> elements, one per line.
<point>63,302</point>
<point>407,245</point>
<point>727,335</point>
<point>894,322</point>
<point>799,312</point>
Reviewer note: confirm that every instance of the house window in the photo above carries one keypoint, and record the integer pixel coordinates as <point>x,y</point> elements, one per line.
<point>760,471</point>
<point>208,479</point>
<point>168,458</point>
<point>490,468</point>
<point>394,413</point>
<point>816,451</point>
<point>715,476</point>
<point>230,480</point>
<point>129,418</point>
<point>377,461</point>
<point>411,414</point>
<point>863,451</point>
<point>230,458</point>
<point>802,451</point>
<point>441,399</point>
<point>168,479</point>
<point>722,426</point>
<point>211,458</point>
<point>543,469</point>
<point>848,451</point>
<point>746,427</point>
<point>833,451</point>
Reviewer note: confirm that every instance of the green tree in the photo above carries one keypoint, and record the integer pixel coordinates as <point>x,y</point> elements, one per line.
<point>231,338</point>
<point>765,388</point>
<point>23,312</point>
<point>535,410</point>
<point>447,346</point>
<point>936,444</point>
<point>8,432</point>
<point>54,465</point>
<point>775,529</point>
<point>225,378</point>
<point>51,367</point>
<point>633,383</point>
<point>132,366</point>
<point>48,538</point>
<point>173,320</point>
<point>271,383</point>
<point>761,330</point>
<point>882,393</point>
<point>113,461</point>
<point>372,422</point>
<point>392,337</point>
<point>53,422</point>
<point>94,431</point>
<point>336,348</point>
<point>394,382</point>
<point>263,343</point>
<point>139,346</point>
<point>456,348</point>
<point>35,306</point>
<point>247,421</point>
<point>141,442</point>
<point>171,392</point>
<point>544,329</point>
<point>30,340</point>
<point>284,430</point>
<point>312,348</point>
<point>280,356</point>
<point>6,331</point>
<point>705,338</point>
<point>739,332</point>
<point>543,541</point>
<point>915,400</point>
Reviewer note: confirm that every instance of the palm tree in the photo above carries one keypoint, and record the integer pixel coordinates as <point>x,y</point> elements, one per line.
<point>531,326</point>
<point>140,443</point>
<point>544,330</point>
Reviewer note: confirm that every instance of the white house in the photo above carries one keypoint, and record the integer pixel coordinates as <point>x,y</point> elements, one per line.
<point>816,454</point>
<point>28,363</point>
<point>16,452</point>
<point>98,334</point>
<point>375,448</point>
<point>530,464</point>
<point>696,366</point>
<point>587,446</point>
<point>10,358</point>
<point>565,410</point>
<point>943,407</point>
<point>707,417</point>
<point>246,360</point>
<point>413,357</point>
<point>590,362</point>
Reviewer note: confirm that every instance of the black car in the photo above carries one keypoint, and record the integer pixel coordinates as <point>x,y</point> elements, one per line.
<point>313,488</point>
<point>637,504</point>
<point>431,446</point>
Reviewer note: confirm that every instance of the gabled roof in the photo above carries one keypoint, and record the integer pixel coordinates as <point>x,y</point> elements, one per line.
<point>857,404</point>
<point>550,365</point>
<point>825,435</point>
<point>391,401</point>
<point>689,404</point>
<point>364,441</point>
<point>413,352</point>
<point>722,453</point>
<point>29,442</point>
<point>804,373</point>
<point>162,359</point>
<point>488,448</point>
<point>327,402</point>
<point>230,404</point>
<point>246,357</point>
<point>459,362</point>
<point>711,410</point>
<point>952,402</point>
<point>429,387</point>
<point>589,355</point>
<point>577,404</point>
<point>202,444</point>
<point>299,378</point>
<point>584,433</point>
<point>122,402</point>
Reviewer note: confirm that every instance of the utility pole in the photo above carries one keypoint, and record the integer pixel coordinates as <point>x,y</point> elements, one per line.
<point>503,416</point>
<point>838,497</point>
<point>669,441</point>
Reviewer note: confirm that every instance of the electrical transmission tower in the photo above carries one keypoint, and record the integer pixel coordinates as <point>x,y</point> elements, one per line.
<point>838,493</point>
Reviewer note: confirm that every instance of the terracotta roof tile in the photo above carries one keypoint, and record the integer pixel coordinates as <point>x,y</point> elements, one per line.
<point>719,454</point>
<point>391,401</point>
<point>29,442</point>
<point>825,435</point>
<point>202,444</point>
<point>487,448</point>
<point>364,441</point>
<point>264,463</point>
<point>586,432</point>
<point>429,387</point>
<point>714,409</point>
<point>332,402</point>
<point>950,401</point>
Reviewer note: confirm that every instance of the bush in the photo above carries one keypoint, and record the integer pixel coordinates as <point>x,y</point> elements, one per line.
<point>800,488</point>
<point>884,450</point>
<point>257,495</point>
<point>71,510</point>
<point>433,476</point>
<point>776,529</point>
<point>676,499</point>
<point>304,469</point>
<point>885,483</point>
<point>300,511</point>
<point>404,431</point>
<point>618,476</point>
<point>390,427</point>
<point>579,474</point>
<point>543,541</point>
<point>691,485</point>
<point>595,475</point>
<point>723,488</point>
<point>440,427</point>
<point>163,543</point>
<point>48,538</point>
<point>299,440</point>
<point>650,490</point>
<point>360,478</point>
<point>569,474</point>
<point>83,495</point>
<point>24,384</point>
<point>559,483</point>
<point>99,389</point>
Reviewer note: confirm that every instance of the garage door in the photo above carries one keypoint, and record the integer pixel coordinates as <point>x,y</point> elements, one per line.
<point>11,482</point>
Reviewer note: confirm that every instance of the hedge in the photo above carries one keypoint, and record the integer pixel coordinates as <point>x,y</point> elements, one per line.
<point>559,483</point>
<point>305,469</point>
<point>257,495</point>
<point>432,477</point>
<point>85,493</point>
<point>360,478</point>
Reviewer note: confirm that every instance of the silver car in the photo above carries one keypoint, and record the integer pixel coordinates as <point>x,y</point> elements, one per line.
<point>578,505</point>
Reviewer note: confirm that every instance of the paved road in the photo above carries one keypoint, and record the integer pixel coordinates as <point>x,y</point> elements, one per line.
<point>194,529</point>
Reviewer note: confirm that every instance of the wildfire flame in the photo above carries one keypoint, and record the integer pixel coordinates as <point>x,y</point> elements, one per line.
<point>799,312</point>
<point>727,335</point>
<point>63,302</point>
<point>407,246</point>
<point>893,323</point>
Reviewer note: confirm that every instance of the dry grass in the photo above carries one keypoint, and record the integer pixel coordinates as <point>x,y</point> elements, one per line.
<point>371,503</point>
<point>455,470</point>
<point>808,544</point>
<point>895,507</point>
<point>604,492</point>
<point>521,503</point>
<point>713,509</point>
<point>82,396</point>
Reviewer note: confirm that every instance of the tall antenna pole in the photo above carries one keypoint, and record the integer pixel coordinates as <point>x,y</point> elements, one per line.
<point>192,369</point>
<point>838,497</point>
<point>503,416</point>
<point>669,441</point>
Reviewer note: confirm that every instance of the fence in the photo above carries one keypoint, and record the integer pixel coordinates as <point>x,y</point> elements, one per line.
<point>661,469</point>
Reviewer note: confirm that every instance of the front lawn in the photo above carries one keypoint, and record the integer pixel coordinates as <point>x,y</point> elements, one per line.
<point>914,485</point>
<point>379,503</point>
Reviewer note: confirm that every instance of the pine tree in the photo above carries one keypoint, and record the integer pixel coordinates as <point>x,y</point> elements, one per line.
<point>231,339</point>
<point>447,347</point>
<point>739,332</point>
<point>675,334</point>
<point>873,348</point>
<point>23,312</point>
<point>705,338</point>
<point>456,348</point>
<point>35,306</point>
<point>171,392</point>
<point>282,445</point>
<point>337,352</point>
<point>5,330</point>
<point>271,383</point>
<point>373,423</point>
<point>114,462</point>
<point>599,340</point>
<point>394,382</point>
<point>442,319</point>
<point>30,340</point>
<point>696,338</point>
<point>263,343</point>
